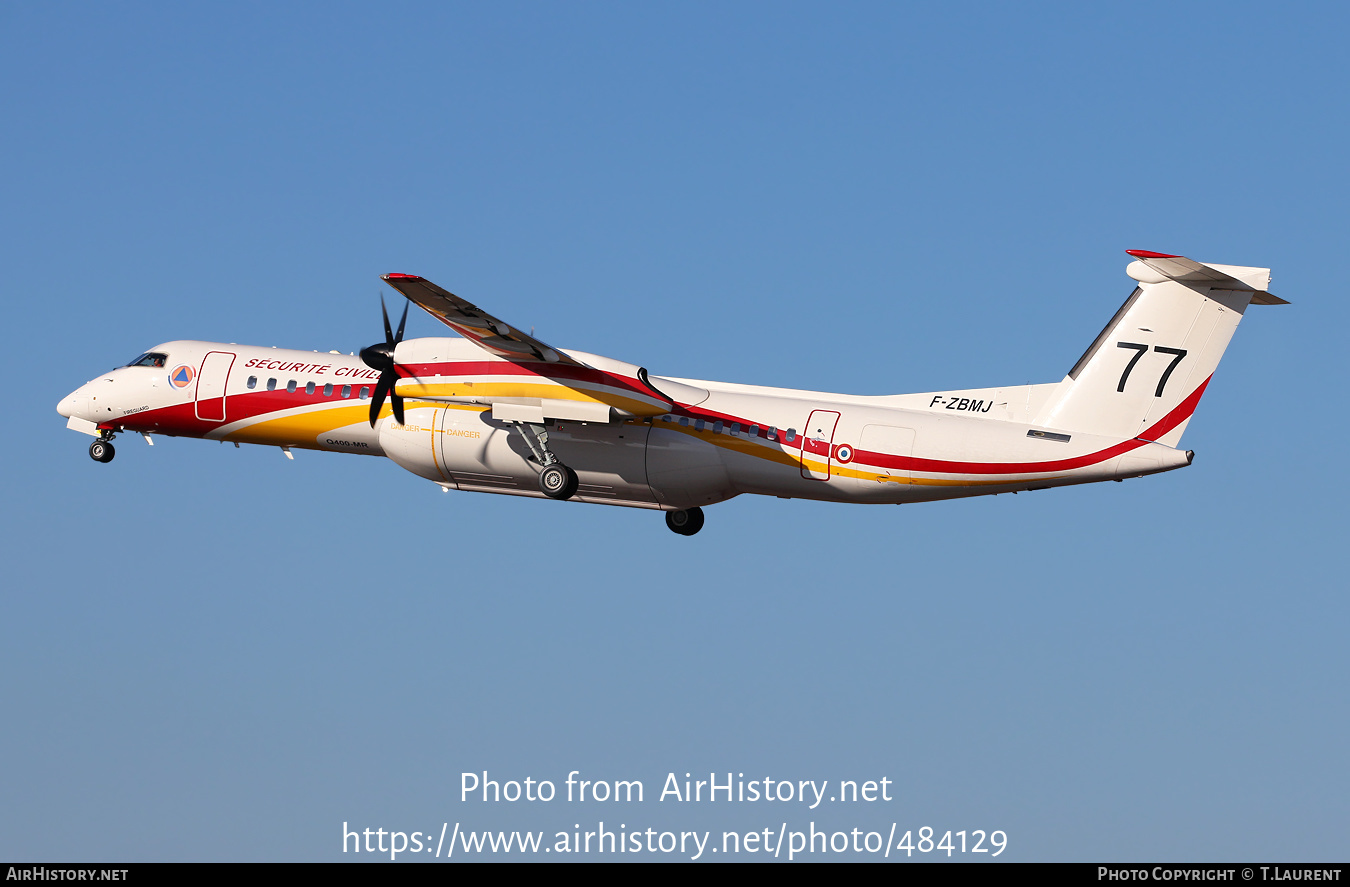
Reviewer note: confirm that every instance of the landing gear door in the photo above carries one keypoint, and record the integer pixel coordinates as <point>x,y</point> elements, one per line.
<point>818,443</point>
<point>211,381</point>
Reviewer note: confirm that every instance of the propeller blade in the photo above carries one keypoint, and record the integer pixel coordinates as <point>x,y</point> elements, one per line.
<point>381,357</point>
<point>377,400</point>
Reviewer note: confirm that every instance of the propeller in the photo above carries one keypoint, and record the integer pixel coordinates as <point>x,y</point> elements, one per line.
<point>380,356</point>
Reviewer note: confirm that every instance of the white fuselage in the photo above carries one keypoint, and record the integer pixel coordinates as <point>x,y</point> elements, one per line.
<point>717,440</point>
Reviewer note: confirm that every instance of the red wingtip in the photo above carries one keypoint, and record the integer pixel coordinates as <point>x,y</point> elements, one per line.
<point>1145,254</point>
<point>401,277</point>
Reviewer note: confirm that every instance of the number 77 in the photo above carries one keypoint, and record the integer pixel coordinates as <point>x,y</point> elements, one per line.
<point>1140,349</point>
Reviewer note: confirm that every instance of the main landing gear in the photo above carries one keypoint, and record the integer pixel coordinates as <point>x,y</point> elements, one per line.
<point>556,481</point>
<point>102,450</point>
<point>687,522</point>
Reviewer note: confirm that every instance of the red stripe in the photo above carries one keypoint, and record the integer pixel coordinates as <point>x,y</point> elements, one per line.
<point>1180,413</point>
<point>182,418</point>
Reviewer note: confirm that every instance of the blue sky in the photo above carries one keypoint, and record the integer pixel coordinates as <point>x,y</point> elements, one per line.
<point>216,654</point>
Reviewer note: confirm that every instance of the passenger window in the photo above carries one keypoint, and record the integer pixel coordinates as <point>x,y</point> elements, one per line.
<point>253,381</point>
<point>735,428</point>
<point>754,431</point>
<point>698,424</point>
<point>271,384</point>
<point>684,420</point>
<point>717,427</point>
<point>365,392</point>
<point>346,391</point>
<point>309,389</point>
<point>791,435</point>
<point>328,390</point>
<point>290,387</point>
<point>773,432</point>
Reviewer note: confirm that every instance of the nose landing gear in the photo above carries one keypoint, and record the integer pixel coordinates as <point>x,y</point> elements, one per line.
<point>687,522</point>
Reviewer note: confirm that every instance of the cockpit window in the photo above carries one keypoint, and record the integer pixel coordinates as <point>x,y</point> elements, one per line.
<point>150,359</point>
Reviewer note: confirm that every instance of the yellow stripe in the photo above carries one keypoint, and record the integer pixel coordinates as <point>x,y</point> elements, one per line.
<point>540,390</point>
<point>303,429</point>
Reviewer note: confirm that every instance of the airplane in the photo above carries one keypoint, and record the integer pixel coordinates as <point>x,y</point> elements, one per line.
<point>496,410</point>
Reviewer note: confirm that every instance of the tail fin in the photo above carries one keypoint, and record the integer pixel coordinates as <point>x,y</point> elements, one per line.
<point>1146,371</point>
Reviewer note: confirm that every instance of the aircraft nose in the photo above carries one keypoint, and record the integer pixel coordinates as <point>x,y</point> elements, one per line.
<point>75,404</point>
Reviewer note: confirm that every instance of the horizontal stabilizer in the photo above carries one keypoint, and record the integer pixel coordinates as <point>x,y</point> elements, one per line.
<point>1189,271</point>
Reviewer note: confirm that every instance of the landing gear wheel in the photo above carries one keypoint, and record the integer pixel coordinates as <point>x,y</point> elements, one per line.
<point>687,522</point>
<point>102,451</point>
<point>558,481</point>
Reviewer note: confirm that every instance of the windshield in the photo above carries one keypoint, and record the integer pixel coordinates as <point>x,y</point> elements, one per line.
<point>150,359</point>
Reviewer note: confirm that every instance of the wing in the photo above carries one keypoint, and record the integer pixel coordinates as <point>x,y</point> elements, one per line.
<point>536,382</point>
<point>475,324</point>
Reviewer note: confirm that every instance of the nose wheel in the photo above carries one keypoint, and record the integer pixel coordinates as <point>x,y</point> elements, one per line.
<point>687,522</point>
<point>102,451</point>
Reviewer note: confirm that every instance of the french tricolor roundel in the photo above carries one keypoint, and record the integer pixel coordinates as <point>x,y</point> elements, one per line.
<point>181,376</point>
<point>844,453</point>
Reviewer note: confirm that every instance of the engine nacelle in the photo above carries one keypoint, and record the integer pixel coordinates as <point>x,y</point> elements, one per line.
<point>411,445</point>
<point>463,446</point>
